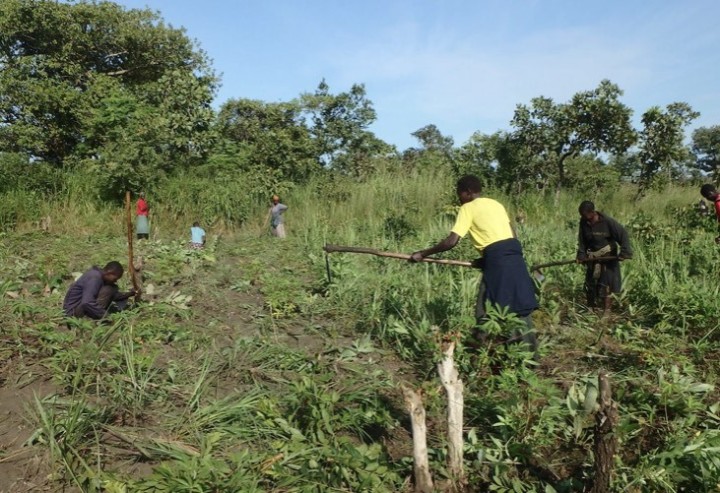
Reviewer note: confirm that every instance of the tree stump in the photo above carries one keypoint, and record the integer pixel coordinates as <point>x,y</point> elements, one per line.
<point>421,464</point>
<point>454,389</point>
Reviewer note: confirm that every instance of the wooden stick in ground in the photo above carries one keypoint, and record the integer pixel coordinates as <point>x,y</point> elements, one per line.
<point>566,262</point>
<point>131,259</point>
<point>401,256</point>
<point>454,389</point>
<point>421,464</point>
<point>605,445</point>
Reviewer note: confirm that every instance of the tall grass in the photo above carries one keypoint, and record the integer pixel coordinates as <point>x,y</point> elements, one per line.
<point>301,392</point>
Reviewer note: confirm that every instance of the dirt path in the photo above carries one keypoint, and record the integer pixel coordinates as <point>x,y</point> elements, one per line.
<point>227,305</point>
<point>22,467</point>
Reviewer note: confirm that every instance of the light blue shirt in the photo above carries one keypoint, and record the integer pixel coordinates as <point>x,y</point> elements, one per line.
<point>197,234</point>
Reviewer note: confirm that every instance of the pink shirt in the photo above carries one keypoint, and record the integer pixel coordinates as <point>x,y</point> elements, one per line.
<point>142,208</point>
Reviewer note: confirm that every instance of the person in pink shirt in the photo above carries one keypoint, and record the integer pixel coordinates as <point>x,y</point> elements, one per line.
<point>142,224</point>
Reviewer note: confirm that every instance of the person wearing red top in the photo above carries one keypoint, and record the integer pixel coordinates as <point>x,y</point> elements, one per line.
<point>710,193</point>
<point>142,224</point>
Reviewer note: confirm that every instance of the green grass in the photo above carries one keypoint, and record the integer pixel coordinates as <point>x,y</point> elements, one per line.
<point>248,371</point>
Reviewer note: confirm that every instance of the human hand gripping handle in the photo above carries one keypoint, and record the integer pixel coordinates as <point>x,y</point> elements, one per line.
<point>416,257</point>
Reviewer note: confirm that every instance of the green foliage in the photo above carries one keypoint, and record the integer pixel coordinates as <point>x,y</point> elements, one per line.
<point>338,124</point>
<point>17,173</point>
<point>590,175</point>
<point>592,122</point>
<point>706,146</point>
<point>647,230</point>
<point>115,89</point>
<point>692,218</point>
<point>268,411</point>
<point>661,143</point>
<point>398,228</point>
<point>478,156</point>
<point>206,199</point>
<point>270,136</point>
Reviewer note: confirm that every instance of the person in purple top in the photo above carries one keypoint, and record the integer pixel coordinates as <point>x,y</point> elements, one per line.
<point>94,292</point>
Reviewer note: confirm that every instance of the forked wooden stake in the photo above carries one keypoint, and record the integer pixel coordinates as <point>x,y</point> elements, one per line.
<point>131,259</point>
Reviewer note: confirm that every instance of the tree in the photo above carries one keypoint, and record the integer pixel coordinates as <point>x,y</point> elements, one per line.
<point>479,156</point>
<point>436,149</point>
<point>706,147</point>
<point>592,122</point>
<point>432,140</point>
<point>273,136</point>
<point>627,165</point>
<point>517,168</point>
<point>95,83</point>
<point>339,122</point>
<point>661,143</point>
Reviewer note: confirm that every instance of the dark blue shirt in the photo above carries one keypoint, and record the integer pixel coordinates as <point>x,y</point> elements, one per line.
<point>83,293</point>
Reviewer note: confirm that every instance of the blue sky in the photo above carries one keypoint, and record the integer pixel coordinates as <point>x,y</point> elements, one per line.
<point>462,65</point>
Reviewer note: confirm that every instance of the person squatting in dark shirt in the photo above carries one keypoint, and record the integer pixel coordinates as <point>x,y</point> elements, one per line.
<point>600,235</point>
<point>93,294</point>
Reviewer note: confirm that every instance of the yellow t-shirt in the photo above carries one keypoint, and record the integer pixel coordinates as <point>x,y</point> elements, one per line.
<point>485,219</point>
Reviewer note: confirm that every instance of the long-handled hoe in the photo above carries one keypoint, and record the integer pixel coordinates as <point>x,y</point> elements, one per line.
<point>380,253</point>
<point>535,269</point>
<point>537,274</point>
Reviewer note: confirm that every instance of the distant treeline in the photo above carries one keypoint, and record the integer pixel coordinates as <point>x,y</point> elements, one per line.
<point>97,99</point>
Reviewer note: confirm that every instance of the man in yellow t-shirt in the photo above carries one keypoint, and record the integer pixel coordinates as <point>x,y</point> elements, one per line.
<point>506,281</point>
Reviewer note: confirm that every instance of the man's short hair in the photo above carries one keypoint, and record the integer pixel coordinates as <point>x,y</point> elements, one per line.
<point>707,190</point>
<point>114,267</point>
<point>586,206</point>
<point>196,224</point>
<point>469,183</point>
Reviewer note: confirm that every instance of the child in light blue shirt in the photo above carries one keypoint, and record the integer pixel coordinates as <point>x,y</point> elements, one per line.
<point>197,236</point>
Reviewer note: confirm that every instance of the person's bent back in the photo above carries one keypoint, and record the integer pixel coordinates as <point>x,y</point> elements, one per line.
<point>86,298</point>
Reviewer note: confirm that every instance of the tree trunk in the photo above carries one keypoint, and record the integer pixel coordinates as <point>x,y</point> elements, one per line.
<point>605,439</point>
<point>454,389</point>
<point>421,464</point>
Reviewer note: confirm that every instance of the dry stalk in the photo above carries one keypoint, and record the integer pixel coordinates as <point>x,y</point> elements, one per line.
<point>454,388</point>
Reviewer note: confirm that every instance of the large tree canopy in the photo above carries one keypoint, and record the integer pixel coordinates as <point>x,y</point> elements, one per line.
<point>96,81</point>
<point>272,135</point>
<point>339,122</point>
<point>591,122</point>
<point>661,142</point>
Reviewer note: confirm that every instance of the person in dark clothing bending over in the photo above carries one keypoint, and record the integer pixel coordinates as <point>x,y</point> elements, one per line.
<point>505,281</point>
<point>94,292</point>
<point>601,236</point>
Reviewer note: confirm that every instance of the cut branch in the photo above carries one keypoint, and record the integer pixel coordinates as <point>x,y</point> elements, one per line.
<point>421,464</point>
<point>454,389</point>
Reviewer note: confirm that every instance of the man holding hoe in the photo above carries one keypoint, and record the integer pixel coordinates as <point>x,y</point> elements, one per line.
<point>599,235</point>
<point>505,281</point>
